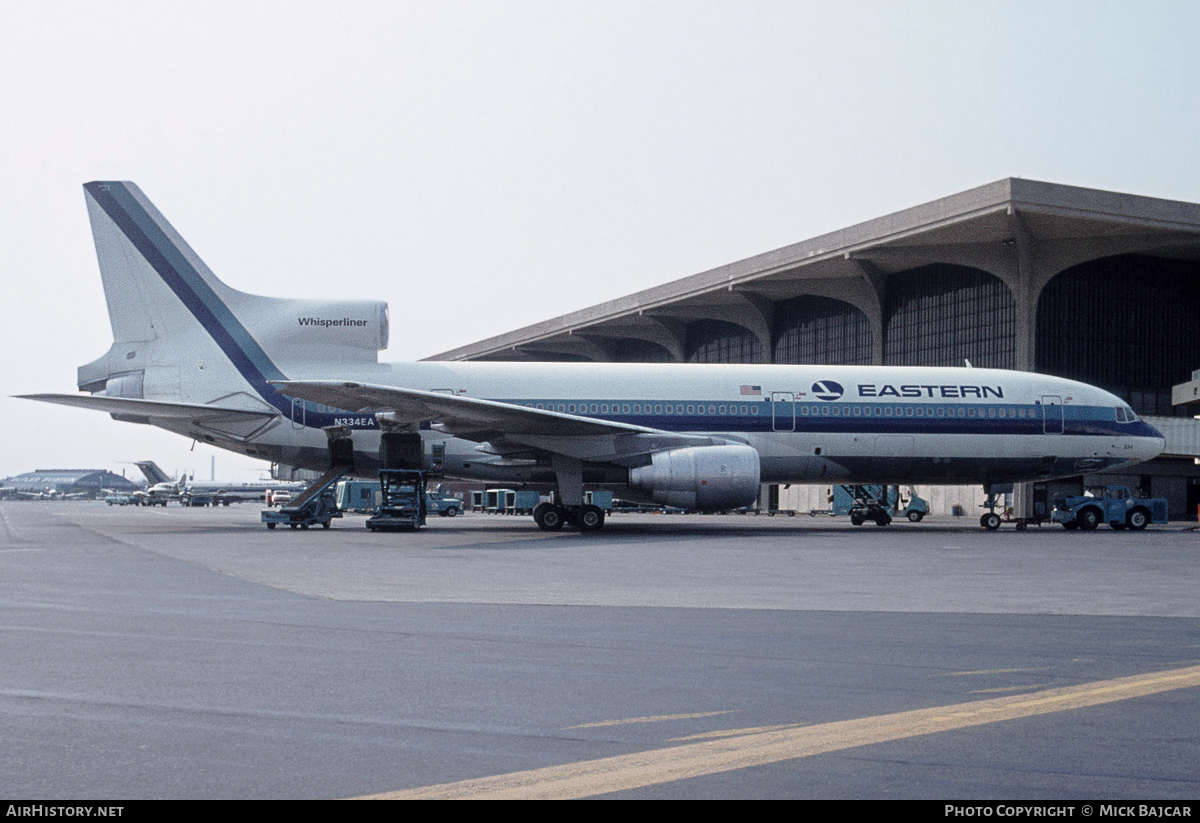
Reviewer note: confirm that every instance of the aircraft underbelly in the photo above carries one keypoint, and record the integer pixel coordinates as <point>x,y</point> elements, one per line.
<point>802,458</point>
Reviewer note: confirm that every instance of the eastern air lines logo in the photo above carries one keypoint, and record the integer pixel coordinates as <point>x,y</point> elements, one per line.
<point>827,390</point>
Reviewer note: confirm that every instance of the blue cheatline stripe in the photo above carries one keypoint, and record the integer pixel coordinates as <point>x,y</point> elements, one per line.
<point>1078,420</point>
<point>190,287</point>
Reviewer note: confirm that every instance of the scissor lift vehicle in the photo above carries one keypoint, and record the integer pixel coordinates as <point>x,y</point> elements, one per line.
<point>402,501</point>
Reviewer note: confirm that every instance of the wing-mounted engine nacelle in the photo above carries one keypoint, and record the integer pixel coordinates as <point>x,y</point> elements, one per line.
<point>708,478</point>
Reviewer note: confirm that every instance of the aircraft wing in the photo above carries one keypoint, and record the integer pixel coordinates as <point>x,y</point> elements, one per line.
<point>466,417</point>
<point>488,421</point>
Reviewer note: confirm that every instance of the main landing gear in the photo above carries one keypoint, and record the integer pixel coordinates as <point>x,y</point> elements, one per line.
<point>551,517</point>
<point>569,507</point>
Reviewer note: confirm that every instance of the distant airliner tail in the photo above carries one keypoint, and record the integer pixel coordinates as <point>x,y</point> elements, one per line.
<point>153,473</point>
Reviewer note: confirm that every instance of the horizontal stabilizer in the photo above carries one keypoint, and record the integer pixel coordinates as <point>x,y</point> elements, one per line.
<point>134,407</point>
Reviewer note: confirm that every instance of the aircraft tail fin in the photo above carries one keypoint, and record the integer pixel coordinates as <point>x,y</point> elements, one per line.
<point>144,263</point>
<point>154,474</point>
<point>182,335</point>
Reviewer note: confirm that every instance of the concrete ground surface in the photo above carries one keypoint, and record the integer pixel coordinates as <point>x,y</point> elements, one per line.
<point>179,653</point>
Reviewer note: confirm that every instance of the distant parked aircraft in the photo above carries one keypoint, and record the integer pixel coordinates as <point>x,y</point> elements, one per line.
<point>204,492</point>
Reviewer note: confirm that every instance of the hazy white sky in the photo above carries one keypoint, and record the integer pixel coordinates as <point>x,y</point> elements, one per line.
<point>486,165</point>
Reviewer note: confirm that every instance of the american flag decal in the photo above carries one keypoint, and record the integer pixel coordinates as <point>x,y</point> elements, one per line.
<point>751,390</point>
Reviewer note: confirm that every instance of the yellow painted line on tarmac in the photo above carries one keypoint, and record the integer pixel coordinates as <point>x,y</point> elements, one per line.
<point>632,771</point>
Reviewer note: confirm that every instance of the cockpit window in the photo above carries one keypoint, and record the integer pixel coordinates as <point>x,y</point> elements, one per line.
<point>1126,415</point>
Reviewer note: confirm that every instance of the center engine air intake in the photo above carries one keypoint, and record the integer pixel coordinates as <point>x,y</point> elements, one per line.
<point>708,478</point>
<point>335,331</point>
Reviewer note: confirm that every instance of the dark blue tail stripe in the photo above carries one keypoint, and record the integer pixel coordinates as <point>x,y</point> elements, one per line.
<point>190,287</point>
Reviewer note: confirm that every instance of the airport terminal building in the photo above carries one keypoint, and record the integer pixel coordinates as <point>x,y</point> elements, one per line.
<point>1095,286</point>
<point>67,482</point>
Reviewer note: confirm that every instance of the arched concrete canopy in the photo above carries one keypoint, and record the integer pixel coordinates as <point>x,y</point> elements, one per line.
<point>941,314</point>
<point>1129,323</point>
<point>1022,231</point>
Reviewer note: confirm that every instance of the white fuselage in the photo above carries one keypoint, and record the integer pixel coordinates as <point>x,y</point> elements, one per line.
<point>807,423</point>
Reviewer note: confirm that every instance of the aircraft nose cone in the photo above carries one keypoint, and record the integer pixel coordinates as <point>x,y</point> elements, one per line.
<point>1152,443</point>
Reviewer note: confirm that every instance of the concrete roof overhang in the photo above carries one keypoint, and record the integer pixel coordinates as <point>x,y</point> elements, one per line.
<point>1023,231</point>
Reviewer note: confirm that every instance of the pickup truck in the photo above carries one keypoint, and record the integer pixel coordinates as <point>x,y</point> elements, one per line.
<point>1114,505</point>
<point>436,502</point>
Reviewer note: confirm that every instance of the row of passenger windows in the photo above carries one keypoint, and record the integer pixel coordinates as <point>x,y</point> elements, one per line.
<point>833,410</point>
<point>826,410</point>
<point>644,408</point>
